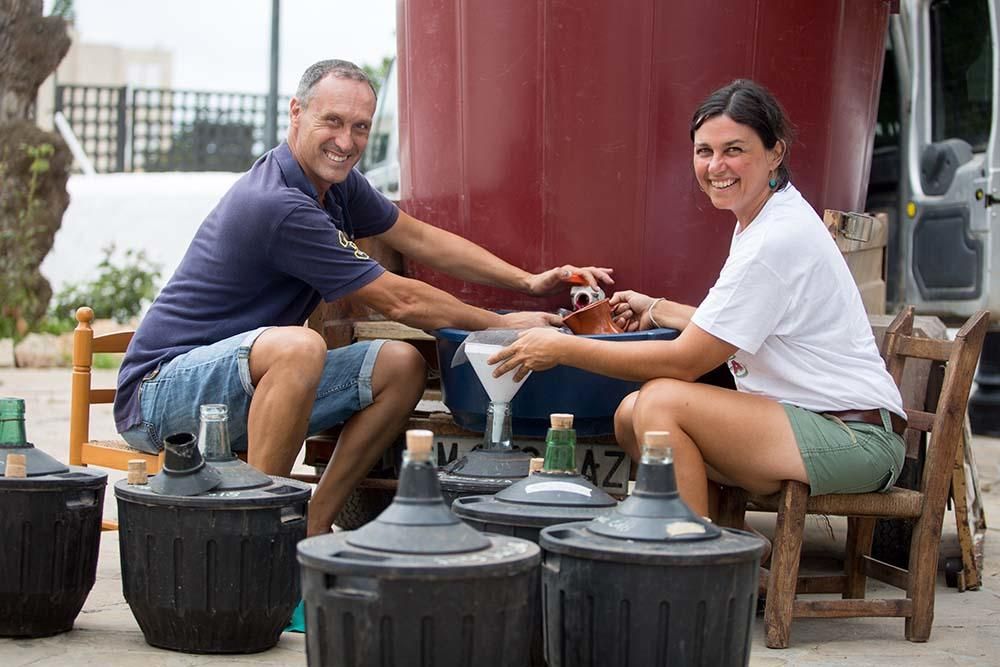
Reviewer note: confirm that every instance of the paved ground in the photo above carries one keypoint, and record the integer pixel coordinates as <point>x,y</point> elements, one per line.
<point>966,631</point>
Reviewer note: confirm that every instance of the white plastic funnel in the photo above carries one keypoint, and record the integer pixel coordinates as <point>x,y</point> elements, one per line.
<point>501,389</point>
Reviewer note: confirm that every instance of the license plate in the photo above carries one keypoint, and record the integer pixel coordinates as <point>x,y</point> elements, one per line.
<point>606,466</point>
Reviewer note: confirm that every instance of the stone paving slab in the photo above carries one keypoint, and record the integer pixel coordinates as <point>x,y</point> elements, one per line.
<point>966,630</point>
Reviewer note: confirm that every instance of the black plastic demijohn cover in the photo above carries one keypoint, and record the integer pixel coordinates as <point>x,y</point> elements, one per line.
<point>654,511</point>
<point>418,521</point>
<point>213,439</point>
<point>13,440</point>
<point>184,471</point>
<point>558,483</point>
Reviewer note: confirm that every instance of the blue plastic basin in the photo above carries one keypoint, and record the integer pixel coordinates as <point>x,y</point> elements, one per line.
<point>591,398</point>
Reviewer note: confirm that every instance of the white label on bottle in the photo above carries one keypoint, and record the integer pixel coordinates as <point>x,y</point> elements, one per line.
<point>568,487</point>
<point>685,528</point>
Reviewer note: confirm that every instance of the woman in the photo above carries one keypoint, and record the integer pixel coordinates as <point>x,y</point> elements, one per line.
<point>814,402</point>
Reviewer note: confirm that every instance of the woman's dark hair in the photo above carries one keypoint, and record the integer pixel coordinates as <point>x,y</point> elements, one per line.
<point>750,104</point>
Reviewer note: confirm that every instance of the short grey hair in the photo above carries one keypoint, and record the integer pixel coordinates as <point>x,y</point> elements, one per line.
<point>342,69</point>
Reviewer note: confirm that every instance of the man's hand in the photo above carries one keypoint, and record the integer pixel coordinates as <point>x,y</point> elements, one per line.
<point>631,310</point>
<point>534,350</point>
<point>527,319</point>
<point>549,281</point>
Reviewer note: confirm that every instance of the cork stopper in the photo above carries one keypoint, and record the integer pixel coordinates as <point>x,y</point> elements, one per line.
<point>534,465</point>
<point>137,472</point>
<point>418,444</point>
<point>17,466</point>
<point>561,420</point>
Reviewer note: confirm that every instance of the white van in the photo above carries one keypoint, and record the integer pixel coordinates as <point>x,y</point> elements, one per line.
<point>380,163</point>
<point>936,167</point>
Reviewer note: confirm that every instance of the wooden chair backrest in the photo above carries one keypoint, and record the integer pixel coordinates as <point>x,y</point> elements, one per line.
<point>947,421</point>
<point>82,395</point>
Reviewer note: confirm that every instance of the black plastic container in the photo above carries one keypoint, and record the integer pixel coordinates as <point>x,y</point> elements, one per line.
<point>649,584</point>
<point>51,527</point>
<point>215,572</point>
<point>490,467</point>
<point>483,472</point>
<point>50,523</point>
<point>554,494</point>
<point>416,586</point>
<point>540,500</point>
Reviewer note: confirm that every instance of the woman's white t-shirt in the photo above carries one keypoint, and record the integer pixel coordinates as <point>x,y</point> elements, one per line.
<point>787,300</point>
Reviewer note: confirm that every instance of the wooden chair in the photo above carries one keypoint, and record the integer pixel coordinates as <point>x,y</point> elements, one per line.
<point>925,506</point>
<point>113,454</point>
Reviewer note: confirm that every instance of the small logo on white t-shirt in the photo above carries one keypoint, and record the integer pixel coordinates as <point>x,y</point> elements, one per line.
<point>736,368</point>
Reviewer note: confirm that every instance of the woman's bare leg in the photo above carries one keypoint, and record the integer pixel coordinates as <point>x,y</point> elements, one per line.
<point>747,439</point>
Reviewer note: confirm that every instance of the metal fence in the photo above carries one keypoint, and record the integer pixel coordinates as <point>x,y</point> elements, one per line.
<point>160,129</point>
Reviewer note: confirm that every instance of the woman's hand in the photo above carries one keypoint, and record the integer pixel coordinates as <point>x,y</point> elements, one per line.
<point>549,281</point>
<point>630,310</point>
<point>534,350</point>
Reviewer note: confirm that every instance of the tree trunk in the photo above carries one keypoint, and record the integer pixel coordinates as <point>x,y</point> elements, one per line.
<point>34,165</point>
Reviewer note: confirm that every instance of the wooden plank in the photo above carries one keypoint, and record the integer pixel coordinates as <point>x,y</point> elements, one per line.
<point>919,420</point>
<point>116,456</point>
<point>860,533</point>
<point>112,342</point>
<point>852,608</point>
<point>890,574</point>
<point>102,396</point>
<point>971,577</point>
<point>784,572</point>
<point>388,330</point>
<point>925,348</point>
<point>820,583</point>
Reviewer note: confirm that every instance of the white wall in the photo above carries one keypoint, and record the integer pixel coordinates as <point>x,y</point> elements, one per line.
<point>155,212</point>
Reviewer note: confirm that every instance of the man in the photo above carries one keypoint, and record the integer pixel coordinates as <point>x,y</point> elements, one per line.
<point>227,327</point>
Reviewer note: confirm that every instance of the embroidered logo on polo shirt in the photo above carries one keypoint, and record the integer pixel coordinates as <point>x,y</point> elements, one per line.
<point>351,245</point>
<point>736,368</point>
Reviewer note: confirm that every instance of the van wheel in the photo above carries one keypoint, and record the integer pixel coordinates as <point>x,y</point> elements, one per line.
<point>362,506</point>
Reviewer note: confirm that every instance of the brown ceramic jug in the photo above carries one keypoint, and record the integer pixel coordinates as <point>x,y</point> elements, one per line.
<point>593,319</point>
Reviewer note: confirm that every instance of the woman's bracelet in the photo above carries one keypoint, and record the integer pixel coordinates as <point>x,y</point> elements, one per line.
<point>652,320</point>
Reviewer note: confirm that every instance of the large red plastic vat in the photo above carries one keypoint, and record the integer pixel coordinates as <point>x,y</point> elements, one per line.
<point>554,131</point>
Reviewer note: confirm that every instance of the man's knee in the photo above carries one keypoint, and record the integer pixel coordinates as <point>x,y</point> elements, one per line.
<point>399,364</point>
<point>297,349</point>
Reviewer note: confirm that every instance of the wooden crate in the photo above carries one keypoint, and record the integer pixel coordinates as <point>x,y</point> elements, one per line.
<point>862,240</point>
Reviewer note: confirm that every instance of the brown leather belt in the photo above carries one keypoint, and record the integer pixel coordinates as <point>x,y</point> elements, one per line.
<point>870,417</point>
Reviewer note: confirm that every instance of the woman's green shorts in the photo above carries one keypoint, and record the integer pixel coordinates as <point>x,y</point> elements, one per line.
<point>851,457</point>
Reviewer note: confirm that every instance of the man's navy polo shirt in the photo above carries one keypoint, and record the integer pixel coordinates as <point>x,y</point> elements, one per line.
<point>263,257</point>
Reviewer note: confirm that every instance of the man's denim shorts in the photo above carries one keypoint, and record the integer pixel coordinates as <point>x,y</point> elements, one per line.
<point>170,396</point>
<point>846,457</point>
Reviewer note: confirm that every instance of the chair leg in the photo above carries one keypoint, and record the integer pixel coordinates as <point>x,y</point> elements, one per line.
<point>860,533</point>
<point>785,563</point>
<point>732,507</point>
<point>924,546</point>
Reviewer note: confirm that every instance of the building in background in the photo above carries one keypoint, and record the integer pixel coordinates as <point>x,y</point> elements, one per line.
<point>104,65</point>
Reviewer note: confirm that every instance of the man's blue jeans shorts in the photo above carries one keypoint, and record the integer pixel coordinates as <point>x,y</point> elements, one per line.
<point>170,396</point>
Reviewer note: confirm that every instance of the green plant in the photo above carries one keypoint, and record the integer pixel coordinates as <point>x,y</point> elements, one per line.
<point>377,72</point>
<point>119,292</point>
<point>107,360</point>
<point>18,242</point>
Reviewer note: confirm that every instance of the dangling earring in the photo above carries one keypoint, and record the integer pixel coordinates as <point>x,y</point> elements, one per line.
<point>773,182</point>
